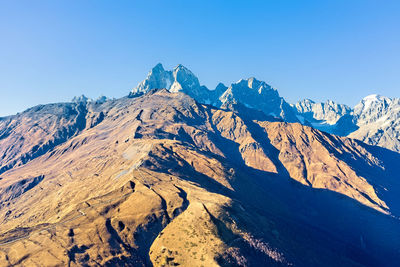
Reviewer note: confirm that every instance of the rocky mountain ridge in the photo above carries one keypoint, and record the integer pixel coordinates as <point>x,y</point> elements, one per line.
<point>250,92</point>
<point>374,120</point>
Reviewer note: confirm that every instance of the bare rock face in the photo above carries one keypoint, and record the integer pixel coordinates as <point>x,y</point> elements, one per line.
<point>258,95</point>
<point>163,180</point>
<point>251,92</point>
<point>180,79</point>
<point>329,112</point>
<point>156,79</point>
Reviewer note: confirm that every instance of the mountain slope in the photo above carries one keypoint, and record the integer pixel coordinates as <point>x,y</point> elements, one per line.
<point>46,126</point>
<point>165,180</point>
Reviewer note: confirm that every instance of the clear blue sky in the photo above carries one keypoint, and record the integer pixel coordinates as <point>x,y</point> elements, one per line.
<point>52,50</point>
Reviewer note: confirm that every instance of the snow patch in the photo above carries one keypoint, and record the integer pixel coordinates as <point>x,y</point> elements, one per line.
<point>168,84</point>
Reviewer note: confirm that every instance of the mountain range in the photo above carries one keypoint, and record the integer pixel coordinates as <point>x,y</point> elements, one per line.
<point>374,120</point>
<point>176,174</point>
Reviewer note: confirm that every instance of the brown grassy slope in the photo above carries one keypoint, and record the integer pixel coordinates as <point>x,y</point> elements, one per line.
<point>164,180</point>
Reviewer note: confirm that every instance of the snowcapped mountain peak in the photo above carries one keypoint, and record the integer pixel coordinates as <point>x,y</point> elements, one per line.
<point>379,120</point>
<point>221,86</point>
<point>180,79</point>
<point>157,78</point>
<point>375,98</point>
<point>249,92</point>
<point>184,80</point>
<point>185,76</point>
<point>374,120</point>
<point>259,95</point>
<point>182,68</point>
<point>81,99</point>
<point>372,96</point>
<point>253,84</point>
<point>307,100</point>
<point>304,105</point>
<point>328,112</point>
<point>251,81</point>
<point>371,101</point>
<point>158,68</point>
<point>372,108</point>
